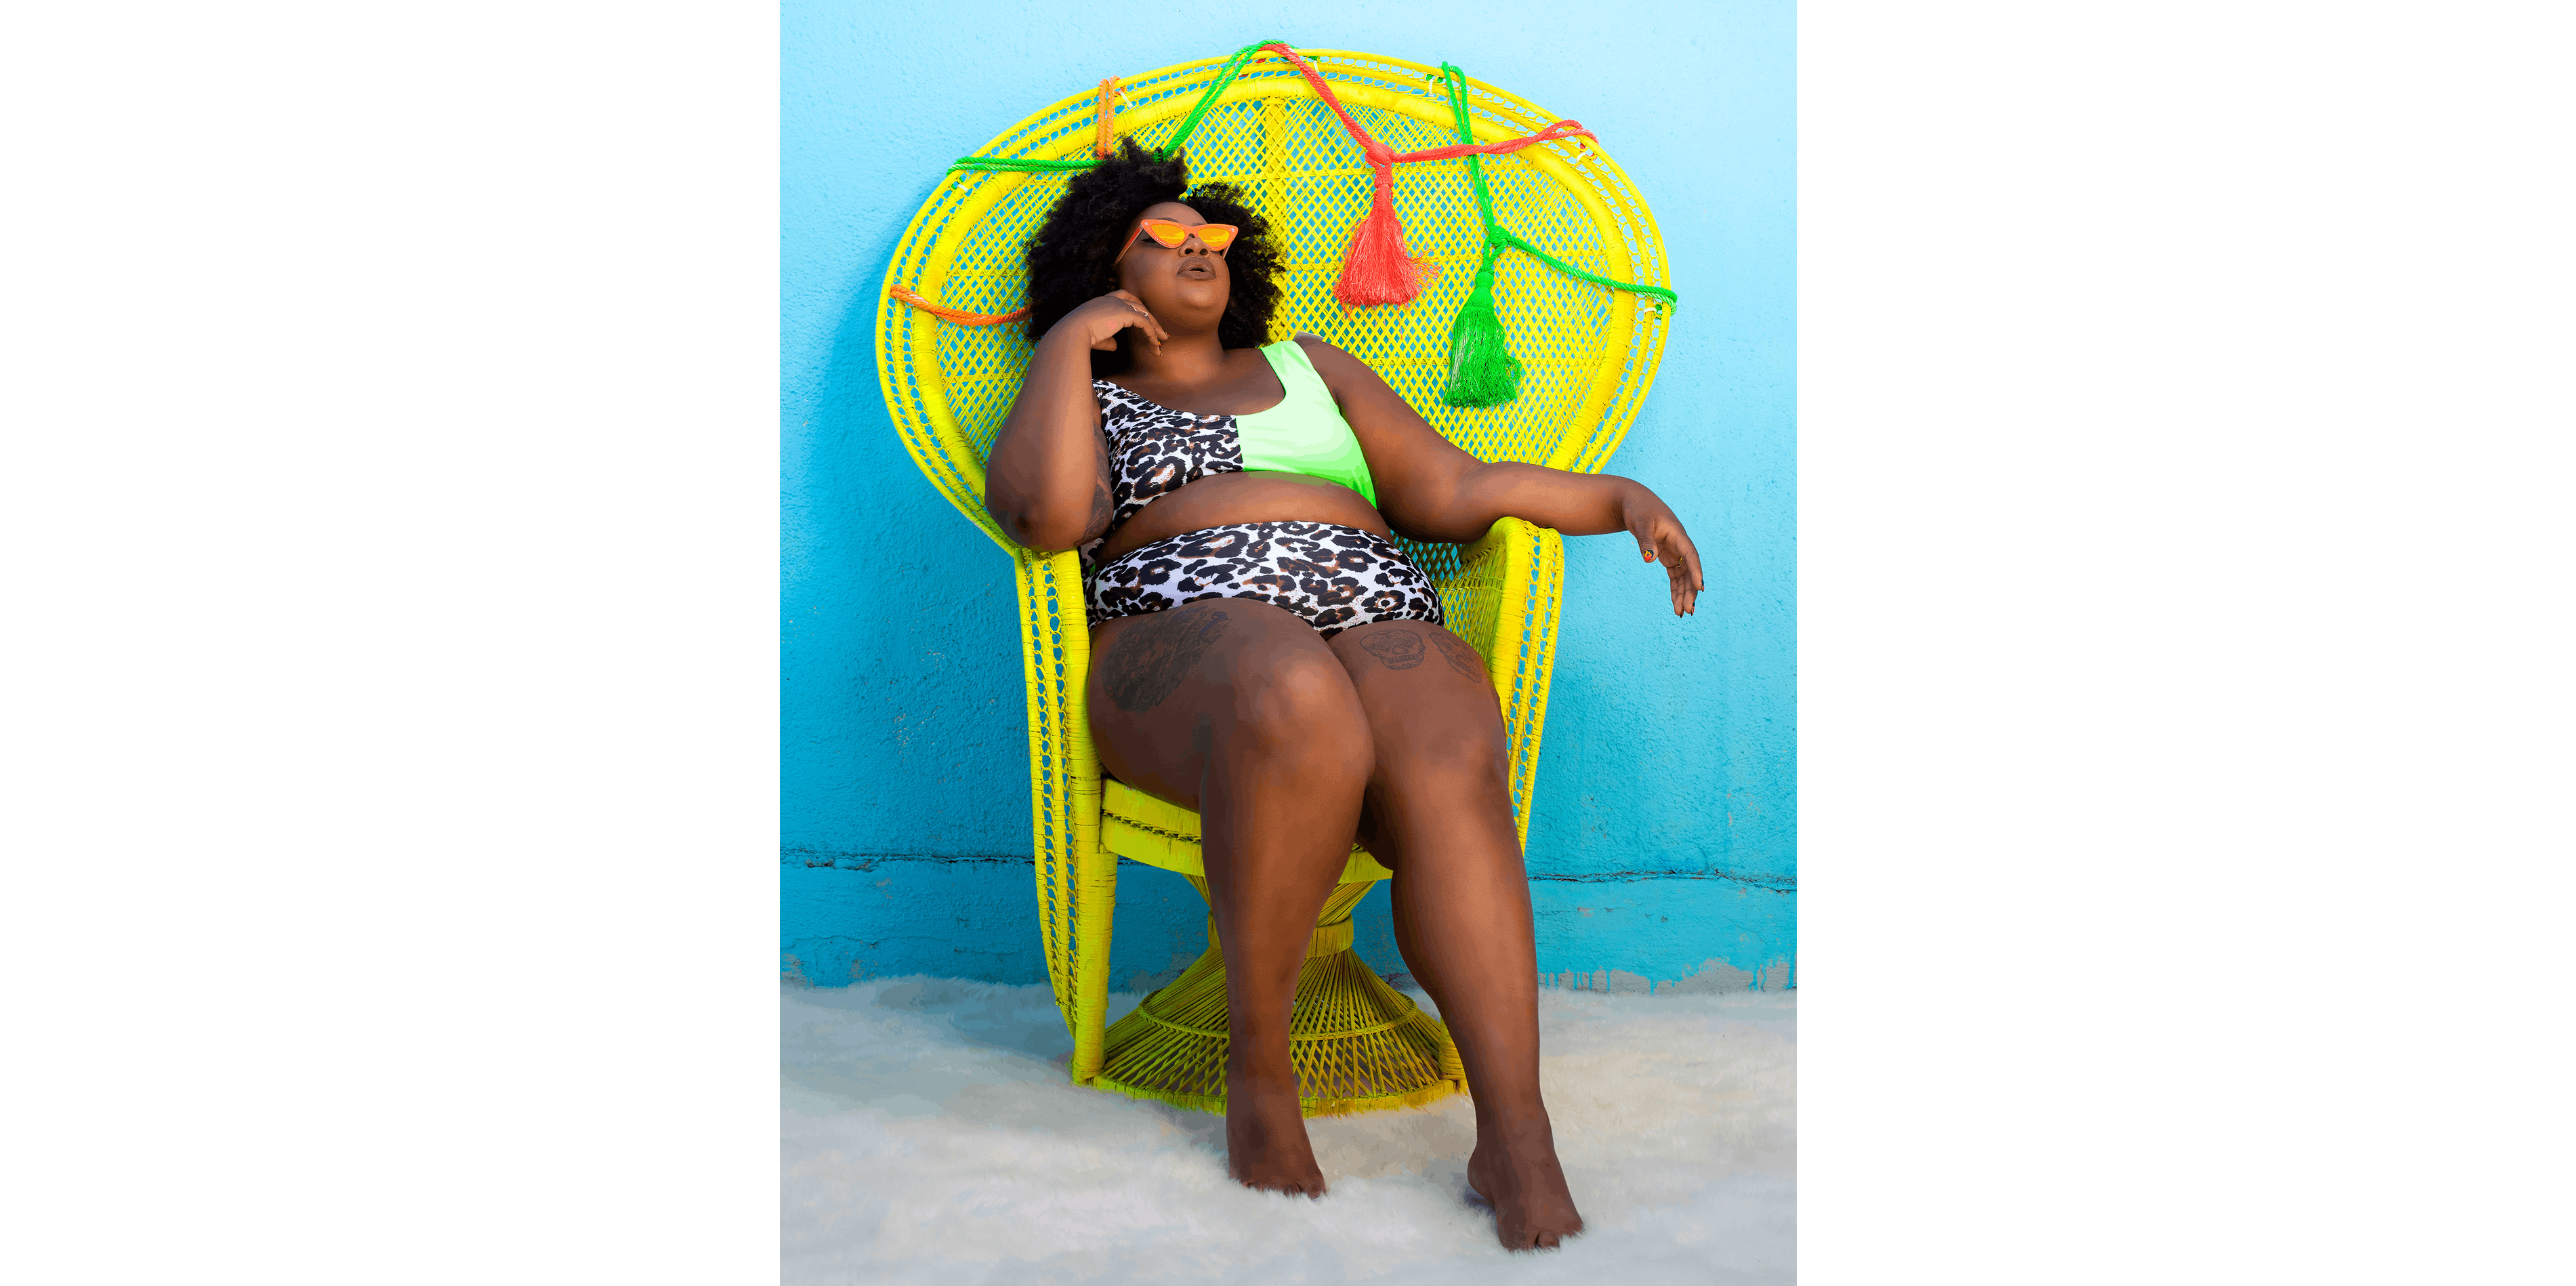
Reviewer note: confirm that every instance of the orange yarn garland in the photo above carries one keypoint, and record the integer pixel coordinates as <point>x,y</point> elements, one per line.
<point>1104,138</point>
<point>1378,268</point>
<point>959,316</point>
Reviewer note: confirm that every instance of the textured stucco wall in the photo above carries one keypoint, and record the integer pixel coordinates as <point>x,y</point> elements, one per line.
<point>1662,851</point>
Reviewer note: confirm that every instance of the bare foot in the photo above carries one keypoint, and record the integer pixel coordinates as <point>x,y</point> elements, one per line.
<point>1265,1135</point>
<point>1521,1179</point>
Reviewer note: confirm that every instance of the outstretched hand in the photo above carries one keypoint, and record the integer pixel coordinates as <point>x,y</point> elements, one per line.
<point>1661,539</point>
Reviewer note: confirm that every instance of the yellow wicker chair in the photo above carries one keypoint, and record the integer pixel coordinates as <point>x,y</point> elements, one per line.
<point>1590,354</point>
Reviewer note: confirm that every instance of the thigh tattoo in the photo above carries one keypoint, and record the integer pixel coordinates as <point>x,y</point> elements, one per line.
<point>1156,653</point>
<point>1395,649</point>
<point>1461,657</point>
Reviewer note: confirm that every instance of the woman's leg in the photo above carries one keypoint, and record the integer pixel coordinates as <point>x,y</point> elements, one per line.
<point>1440,817</point>
<point>1237,709</point>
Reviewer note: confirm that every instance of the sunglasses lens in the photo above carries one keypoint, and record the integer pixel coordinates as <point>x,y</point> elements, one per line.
<point>1170,235</point>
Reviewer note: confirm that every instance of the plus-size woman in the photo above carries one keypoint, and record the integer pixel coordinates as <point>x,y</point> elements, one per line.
<point>1264,654</point>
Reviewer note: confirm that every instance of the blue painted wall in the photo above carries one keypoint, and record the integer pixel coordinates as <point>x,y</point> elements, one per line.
<point>1663,847</point>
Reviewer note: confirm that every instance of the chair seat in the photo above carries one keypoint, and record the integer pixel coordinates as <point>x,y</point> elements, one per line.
<point>1139,827</point>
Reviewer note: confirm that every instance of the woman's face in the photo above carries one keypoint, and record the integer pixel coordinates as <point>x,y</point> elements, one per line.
<point>1187,286</point>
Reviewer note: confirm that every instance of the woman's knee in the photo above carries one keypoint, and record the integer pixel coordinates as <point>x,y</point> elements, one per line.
<point>1474,758</point>
<point>1298,704</point>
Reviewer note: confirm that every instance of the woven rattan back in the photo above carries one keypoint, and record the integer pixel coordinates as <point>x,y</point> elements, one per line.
<point>1590,352</point>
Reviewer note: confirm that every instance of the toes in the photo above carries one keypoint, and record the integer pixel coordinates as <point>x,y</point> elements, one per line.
<point>1536,1238</point>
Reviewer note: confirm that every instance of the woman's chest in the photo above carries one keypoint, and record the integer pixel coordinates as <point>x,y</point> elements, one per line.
<point>1244,386</point>
<point>1154,448</point>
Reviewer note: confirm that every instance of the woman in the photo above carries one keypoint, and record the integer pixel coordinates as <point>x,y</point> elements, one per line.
<point>1264,654</point>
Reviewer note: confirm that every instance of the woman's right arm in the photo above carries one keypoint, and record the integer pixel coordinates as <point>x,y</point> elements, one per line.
<point>1047,481</point>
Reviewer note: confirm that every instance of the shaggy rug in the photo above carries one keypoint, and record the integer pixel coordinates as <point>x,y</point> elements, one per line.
<point>929,1136</point>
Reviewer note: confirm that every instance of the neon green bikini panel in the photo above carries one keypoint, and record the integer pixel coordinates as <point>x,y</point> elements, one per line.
<point>1305,433</point>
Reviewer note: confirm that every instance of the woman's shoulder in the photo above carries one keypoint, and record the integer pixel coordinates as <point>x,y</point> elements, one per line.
<point>1317,351</point>
<point>1330,363</point>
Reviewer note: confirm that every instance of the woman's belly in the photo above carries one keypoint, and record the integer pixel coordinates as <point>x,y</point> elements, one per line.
<point>1224,499</point>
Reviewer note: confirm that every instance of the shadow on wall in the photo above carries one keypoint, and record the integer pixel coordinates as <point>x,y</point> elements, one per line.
<point>1716,977</point>
<point>850,919</point>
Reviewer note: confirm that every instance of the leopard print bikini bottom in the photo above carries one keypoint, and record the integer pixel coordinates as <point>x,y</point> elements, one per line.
<point>1335,577</point>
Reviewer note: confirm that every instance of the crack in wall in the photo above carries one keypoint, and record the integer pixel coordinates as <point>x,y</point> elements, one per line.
<point>1771,883</point>
<point>869,861</point>
<point>849,861</point>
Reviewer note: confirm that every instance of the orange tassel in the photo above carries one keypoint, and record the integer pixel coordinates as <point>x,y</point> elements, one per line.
<point>1377,267</point>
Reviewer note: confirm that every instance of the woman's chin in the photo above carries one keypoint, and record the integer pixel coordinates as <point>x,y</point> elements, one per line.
<point>1194,294</point>
<point>1186,312</point>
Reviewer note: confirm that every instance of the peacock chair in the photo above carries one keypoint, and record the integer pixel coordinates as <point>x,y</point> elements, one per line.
<point>1581,312</point>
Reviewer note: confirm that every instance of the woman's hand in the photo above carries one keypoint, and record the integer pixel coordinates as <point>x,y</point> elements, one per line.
<point>1097,322</point>
<point>1660,537</point>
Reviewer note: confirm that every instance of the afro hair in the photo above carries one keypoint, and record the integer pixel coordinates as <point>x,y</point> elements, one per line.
<point>1070,257</point>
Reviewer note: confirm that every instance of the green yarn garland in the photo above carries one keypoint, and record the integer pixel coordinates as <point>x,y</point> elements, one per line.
<point>1482,369</point>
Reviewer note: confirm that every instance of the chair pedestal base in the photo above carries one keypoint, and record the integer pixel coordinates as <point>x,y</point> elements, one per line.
<point>1358,1044</point>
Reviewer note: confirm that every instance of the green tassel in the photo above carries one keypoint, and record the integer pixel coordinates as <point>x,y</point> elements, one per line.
<point>1482,370</point>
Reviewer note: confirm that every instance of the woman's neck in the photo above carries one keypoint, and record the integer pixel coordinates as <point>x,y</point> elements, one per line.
<point>1184,362</point>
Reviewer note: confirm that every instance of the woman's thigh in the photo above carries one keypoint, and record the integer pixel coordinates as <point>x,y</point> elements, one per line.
<point>1436,726</point>
<point>1169,688</point>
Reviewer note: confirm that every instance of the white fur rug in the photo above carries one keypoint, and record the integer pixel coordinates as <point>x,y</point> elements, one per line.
<point>929,1136</point>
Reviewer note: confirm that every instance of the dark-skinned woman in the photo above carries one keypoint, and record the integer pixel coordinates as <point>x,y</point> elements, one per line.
<point>1263,653</point>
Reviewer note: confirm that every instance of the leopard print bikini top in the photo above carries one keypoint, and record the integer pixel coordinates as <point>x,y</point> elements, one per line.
<point>1155,450</point>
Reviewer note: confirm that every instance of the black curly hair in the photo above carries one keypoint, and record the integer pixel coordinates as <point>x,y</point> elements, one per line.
<point>1070,257</point>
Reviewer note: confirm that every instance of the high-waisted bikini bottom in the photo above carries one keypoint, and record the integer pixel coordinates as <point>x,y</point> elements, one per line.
<point>1335,577</point>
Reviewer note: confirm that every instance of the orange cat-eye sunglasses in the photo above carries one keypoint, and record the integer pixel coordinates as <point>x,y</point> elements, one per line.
<point>1169,235</point>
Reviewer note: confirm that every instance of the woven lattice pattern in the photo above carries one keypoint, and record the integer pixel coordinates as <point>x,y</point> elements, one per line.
<point>1357,1044</point>
<point>1590,355</point>
<point>1309,179</point>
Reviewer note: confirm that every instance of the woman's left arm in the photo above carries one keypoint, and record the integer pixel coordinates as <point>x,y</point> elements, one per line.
<point>1428,489</point>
